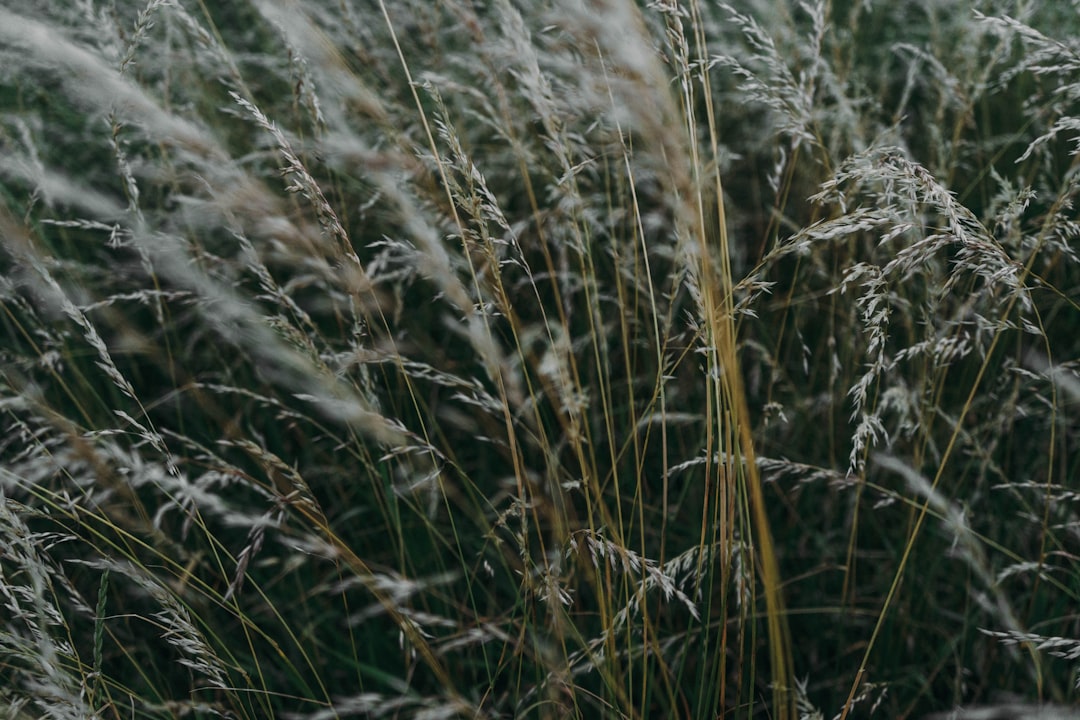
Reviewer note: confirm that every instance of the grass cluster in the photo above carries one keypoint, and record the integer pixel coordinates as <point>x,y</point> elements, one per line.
<point>397,358</point>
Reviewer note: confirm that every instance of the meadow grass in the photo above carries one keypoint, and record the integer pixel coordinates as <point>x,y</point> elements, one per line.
<point>390,358</point>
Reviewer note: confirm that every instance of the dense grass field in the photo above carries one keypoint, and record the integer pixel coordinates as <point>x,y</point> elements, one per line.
<point>561,359</point>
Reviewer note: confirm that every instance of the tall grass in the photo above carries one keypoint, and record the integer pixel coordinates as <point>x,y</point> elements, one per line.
<point>407,359</point>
